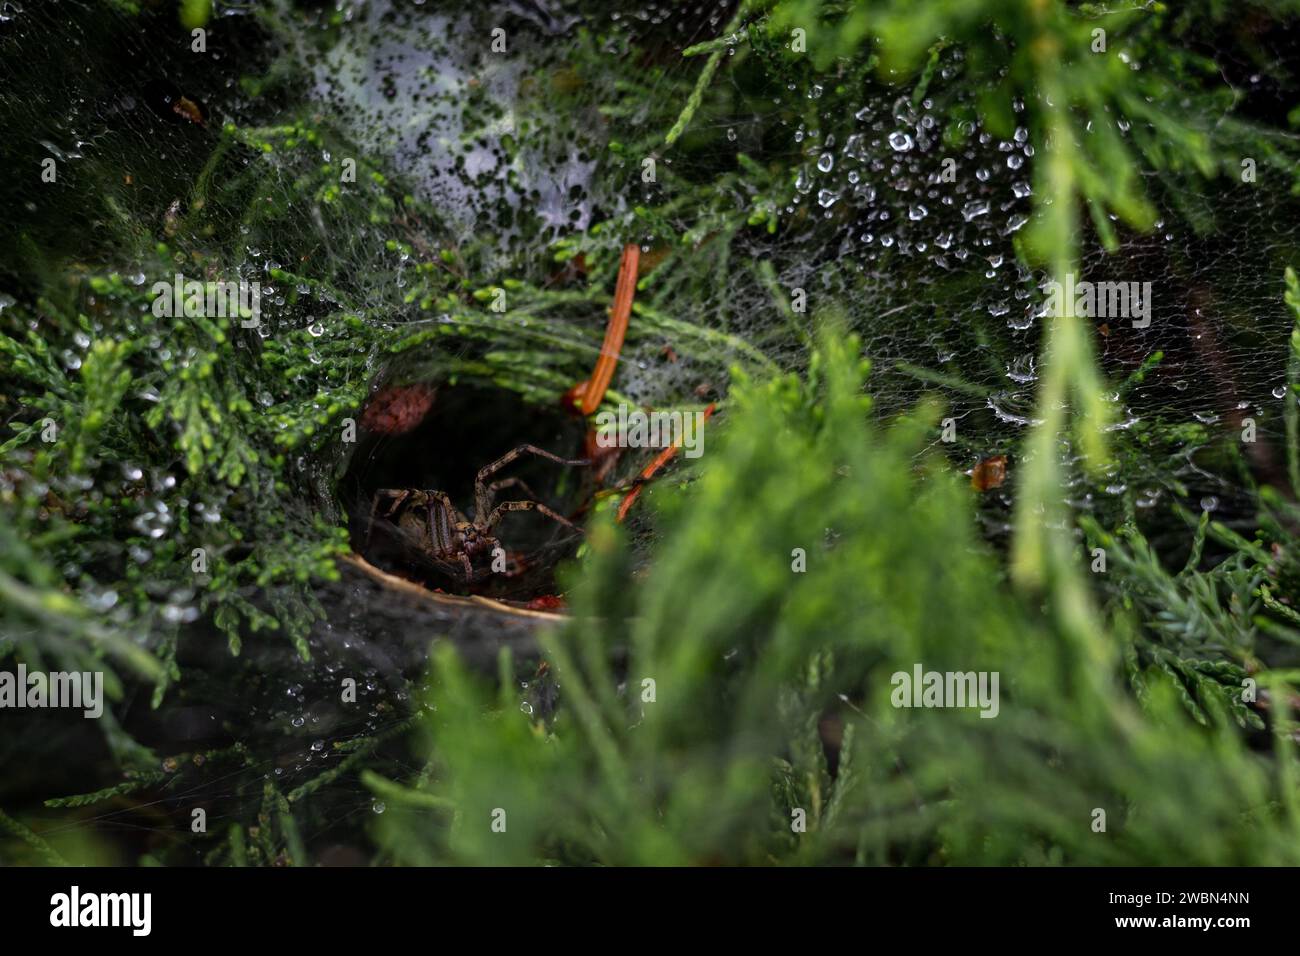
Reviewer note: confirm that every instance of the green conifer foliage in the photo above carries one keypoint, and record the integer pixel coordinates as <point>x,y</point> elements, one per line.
<point>179,497</point>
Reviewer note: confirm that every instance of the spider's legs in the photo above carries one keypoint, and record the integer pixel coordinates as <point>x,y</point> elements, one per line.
<point>398,495</point>
<point>497,486</point>
<point>482,495</point>
<point>507,506</point>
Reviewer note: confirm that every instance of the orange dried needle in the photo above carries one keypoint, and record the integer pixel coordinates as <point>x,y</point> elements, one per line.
<point>663,458</point>
<point>594,393</point>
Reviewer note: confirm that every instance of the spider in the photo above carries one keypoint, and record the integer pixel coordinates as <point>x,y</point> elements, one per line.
<point>453,543</point>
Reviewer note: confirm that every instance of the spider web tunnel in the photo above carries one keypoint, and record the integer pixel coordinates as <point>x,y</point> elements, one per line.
<point>466,428</point>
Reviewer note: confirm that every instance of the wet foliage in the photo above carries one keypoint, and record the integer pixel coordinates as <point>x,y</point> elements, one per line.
<point>848,217</point>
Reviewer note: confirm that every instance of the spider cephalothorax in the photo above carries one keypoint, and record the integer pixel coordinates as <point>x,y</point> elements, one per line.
<point>455,544</point>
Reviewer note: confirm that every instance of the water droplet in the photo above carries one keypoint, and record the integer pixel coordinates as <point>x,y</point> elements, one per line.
<point>153,521</point>
<point>100,601</point>
<point>1022,369</point>
<point>900,141</point>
